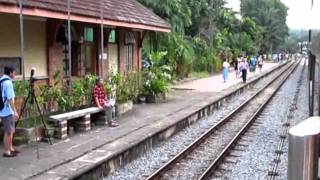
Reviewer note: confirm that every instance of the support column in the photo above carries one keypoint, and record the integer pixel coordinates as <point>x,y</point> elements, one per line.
<point>84,123</point>
<point>60,129</point>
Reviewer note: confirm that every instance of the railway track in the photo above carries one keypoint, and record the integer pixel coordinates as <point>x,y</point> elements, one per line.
<point>273,172</point>
<point>200,158</point>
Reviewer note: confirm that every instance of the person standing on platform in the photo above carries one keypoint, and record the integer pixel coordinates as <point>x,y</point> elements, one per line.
<point>8,113</point>
<point>226,66</point>
<point>244,70</point>
<point>260,63</point>
<point>235,64</point>
<point>239,67</point>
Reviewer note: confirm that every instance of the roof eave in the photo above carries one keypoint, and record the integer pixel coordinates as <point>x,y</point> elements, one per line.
<point>58,15</point>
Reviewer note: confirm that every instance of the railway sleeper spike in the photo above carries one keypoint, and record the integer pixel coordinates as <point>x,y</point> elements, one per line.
<point>290,116</point>
<point>245,140</point>
<point>224,168</point>
<point>218,173</point>
<point>251,133</point>
<point>239,149</point>
<point>230,160</point>
<point>282,136</point>
<point>234,154</point>
<point>243,144</point>
<point>287,124</point>
<point>279,152</point>
<point>276,160</point>
<point>258,123</point>
<point>273,173</point>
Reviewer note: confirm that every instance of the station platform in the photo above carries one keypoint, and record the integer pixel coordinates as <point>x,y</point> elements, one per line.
<point>103,149</point>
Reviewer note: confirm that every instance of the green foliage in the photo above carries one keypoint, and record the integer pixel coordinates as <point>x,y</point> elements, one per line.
<point>80,94</point>
<point>21,88</point>
<point>206,58</point>
<point>215,32</point>
<point>157,57</point>
<point>126,86</point>
<point>177,12</point>
<point>88,84</point>
<point>180,54</point>
<point>156,79</point>
<point>123,91</point>
<point>271,15</point>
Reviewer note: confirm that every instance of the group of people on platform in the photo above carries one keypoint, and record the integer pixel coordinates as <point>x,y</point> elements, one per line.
<point>9,114</point>
<point>242,65</point>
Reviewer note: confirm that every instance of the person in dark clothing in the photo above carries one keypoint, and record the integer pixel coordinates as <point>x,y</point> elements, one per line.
<point>244,69</point>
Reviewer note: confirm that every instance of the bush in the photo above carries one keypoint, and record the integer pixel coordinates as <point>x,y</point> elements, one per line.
<point>125,86</point>
<point>180,54</point>
<point>157,80</point>
<point>21,88</point>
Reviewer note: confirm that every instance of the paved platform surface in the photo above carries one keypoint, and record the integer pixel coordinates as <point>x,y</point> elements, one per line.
<point>63,157</point>
<point>216,84</point>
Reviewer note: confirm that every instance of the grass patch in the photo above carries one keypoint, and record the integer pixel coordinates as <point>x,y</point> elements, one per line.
<point>199,75</point>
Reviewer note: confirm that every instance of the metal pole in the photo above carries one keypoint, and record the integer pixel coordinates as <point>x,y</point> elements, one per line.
<point>102,37</point>
<point>22,38</point>
<point>318,88</point>
<point>69,44</point>
<point>311,73</point>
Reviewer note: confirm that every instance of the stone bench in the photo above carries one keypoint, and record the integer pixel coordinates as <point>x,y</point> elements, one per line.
<point>83,122</point>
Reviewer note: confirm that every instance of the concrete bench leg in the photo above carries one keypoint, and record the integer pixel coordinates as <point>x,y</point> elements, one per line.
<point>84,124</point>
<point>105,117</point>
<point>61,130</point>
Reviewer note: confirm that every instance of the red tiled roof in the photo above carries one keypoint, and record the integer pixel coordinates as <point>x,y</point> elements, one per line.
<point>126,11</point>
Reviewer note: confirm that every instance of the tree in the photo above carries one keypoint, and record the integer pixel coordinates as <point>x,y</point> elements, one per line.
<point>177,12</point>
<point>204,33</point>
<point>271,15</point>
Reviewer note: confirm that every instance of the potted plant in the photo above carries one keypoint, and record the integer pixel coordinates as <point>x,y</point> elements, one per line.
<point>157,84</point>
<point>156,78</point>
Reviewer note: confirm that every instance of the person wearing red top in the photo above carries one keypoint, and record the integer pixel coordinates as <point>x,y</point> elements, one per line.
<point>100,100</point>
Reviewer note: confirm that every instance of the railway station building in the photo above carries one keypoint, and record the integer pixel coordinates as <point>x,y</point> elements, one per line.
<point>95,48</point>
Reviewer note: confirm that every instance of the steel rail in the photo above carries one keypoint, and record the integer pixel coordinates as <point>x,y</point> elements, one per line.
<point>158,173</point>
<point>215,164</point>
<point>273,172</point>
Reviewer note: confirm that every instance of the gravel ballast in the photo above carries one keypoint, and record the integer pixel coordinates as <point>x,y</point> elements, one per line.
<point>257,159</point>
<point>153,159</point>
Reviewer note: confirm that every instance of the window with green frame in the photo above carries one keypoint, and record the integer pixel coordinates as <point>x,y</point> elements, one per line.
<point>88,34</point>
<point>113,36</point>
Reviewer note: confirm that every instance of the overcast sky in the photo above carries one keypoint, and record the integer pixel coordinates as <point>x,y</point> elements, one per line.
<point>300,14</point>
